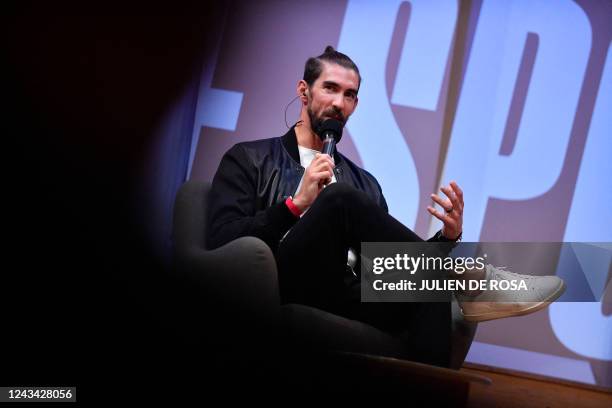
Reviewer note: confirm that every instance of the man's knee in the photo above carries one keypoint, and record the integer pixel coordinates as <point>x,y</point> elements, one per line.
<point>339,194</point>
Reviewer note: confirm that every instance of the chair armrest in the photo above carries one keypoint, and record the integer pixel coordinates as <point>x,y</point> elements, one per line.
<point>232,290</point>
<point>242,272</point>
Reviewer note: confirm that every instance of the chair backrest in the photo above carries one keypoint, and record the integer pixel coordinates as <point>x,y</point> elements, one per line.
<point>189,220</point>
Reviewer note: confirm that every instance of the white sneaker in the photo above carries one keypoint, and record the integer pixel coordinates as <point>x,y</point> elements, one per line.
<point>537,292</point>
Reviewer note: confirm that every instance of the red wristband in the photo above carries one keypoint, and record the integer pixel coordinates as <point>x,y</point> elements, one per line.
<point>292,207</point>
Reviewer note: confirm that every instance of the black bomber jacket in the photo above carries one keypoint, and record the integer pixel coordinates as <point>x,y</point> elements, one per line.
<point>253,181</point>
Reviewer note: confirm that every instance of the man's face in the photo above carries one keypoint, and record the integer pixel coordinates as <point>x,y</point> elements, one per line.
<point>333,95</point>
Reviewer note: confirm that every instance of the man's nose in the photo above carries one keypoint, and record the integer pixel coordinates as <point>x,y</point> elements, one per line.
<point>338,102</point>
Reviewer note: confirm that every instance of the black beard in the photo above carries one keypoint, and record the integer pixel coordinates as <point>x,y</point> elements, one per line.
<point>317,121</point>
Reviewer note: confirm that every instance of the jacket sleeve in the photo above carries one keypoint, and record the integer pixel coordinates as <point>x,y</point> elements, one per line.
<point>438,237</point>
<point>382,203</point>
<point>232,209</point>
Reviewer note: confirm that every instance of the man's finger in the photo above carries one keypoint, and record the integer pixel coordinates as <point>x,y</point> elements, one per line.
<point>446,204</point>
<point>322,175</point>
<point>458,191</point>
<point>323,166</point>
<point>323,158</point>
<point>452,197</point>
<point>442,217</point>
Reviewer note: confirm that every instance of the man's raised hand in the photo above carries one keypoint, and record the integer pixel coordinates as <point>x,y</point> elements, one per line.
<point>453,210</point>
<point>317,175</point>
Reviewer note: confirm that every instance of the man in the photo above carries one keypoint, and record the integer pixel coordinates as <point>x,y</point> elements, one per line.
<point>311,209</point>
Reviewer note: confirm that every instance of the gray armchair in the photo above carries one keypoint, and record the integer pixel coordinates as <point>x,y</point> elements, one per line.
<point>241,277</point>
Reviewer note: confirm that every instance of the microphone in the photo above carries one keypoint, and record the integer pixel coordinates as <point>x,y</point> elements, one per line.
<point>330,133</point>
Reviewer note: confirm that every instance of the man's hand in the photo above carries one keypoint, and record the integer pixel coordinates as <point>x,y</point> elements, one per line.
<point>453,210</point>
<point>318,174</point>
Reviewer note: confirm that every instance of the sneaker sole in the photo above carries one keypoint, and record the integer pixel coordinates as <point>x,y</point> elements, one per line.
<point>483,317</point>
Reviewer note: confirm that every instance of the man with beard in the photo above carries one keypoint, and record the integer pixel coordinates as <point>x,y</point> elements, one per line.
<point>313,209</point>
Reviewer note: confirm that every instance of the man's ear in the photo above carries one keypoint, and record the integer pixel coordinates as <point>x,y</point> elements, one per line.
<point>302,90</point>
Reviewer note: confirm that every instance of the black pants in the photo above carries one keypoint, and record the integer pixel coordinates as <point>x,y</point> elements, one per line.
<point>312,271</point>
